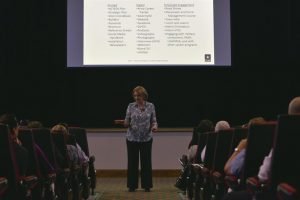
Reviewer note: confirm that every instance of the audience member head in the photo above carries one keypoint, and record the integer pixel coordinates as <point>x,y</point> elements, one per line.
<point>205,126</point>
<point>255,120</point>
<point>59,129</point>
<point>222,125</point>
<point>12,122</point>
<point>294,106</point>
<point>64,125</point>
<point>35,124</point>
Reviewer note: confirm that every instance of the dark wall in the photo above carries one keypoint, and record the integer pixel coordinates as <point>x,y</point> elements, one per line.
<point>36,85</point>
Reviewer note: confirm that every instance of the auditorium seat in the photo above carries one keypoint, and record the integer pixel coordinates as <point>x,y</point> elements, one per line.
<point>63,182</point>
<point>3,187</point>
<point>284,166</point>
<point>18,186</point>
<point>74,169</point>
<point>221,155</point>
<point>203,170</point>
<point>198,178</point>
<point>26,137</point>
<point>201,144</point>
<point>259,142</point>
<point>81,138</point>
<point>286,191</point>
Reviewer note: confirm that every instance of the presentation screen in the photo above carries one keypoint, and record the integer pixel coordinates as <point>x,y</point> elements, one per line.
<point>110,33</point>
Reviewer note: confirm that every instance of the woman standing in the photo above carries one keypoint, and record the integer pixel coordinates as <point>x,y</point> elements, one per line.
<point>141,122</point>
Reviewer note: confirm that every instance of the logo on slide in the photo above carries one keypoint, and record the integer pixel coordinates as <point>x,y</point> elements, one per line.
<point>207,57</point>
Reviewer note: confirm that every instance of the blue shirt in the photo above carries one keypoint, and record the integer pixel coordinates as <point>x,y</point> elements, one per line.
<point>238,163</point>
<point>140,122</point>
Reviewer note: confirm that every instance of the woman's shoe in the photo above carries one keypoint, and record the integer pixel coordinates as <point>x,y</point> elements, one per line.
<point>131,190</point>
<point>147,189</point>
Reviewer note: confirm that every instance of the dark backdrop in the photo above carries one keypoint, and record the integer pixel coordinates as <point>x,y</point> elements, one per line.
<point>36,85</point>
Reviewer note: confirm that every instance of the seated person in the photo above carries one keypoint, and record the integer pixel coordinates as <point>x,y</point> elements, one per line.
<point>203,127</point>
<point>220,125</point>
<point>75,153</point>
<point>21,152</point>
<point>265,169</point>
<point>235,163</point>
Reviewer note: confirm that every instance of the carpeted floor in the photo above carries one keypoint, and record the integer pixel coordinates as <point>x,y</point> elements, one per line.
<point>115,189</point>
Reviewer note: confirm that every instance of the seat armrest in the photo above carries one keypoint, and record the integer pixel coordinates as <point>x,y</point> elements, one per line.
<point>254,185</point>
<point>51,177</point>
<point>66,170</point>
<point>92,159</point>
<point>183,160</point>
<point>205,172</point>
<point>65,173</point>
<point>3,185</point>
<point>287,192</point>
<point>3,181</point>
<point>232,182</point>
<point>217,177</point>
<point>76,169</point>
<point>29,181</point>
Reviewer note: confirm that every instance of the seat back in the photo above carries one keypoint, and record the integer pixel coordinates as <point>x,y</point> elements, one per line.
<point>259,142</point>
<point>9,167</point>
<point>43,138</point>
<point>26,137</point>
<point>210,149</point>
<point>223,144</point>
<point>201,144</point>
<point>81,138</point>
<point>60,143</point>
<point>285,166</point>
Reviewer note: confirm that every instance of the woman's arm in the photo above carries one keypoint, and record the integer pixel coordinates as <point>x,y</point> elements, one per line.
<point>153,120</point>
<point>242,145</point>
<point>265,168</point>
<point>127,117</point>
<point>125,122</point>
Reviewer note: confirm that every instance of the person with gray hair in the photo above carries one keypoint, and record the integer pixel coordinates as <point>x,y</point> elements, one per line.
<point>220,125</point>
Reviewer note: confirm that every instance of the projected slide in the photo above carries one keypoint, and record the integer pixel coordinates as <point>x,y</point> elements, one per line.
<point>148,32</point>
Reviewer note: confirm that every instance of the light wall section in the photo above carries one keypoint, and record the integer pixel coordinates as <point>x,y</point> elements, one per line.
<point>109,148</point>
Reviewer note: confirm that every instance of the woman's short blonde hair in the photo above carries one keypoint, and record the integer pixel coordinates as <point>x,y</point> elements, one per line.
<point>141,91</point>
<point>59,129</point>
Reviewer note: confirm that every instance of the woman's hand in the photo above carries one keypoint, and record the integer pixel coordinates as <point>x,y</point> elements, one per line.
<point>119,121</point>
<point>154,129</point>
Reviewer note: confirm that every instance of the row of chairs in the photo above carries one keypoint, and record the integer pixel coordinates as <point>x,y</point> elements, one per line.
<point>219,146</point>
<point>207,180</point>
<point>68,179</point>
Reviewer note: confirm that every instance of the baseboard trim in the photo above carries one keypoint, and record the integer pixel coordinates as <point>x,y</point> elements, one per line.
<point>123,173</point>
